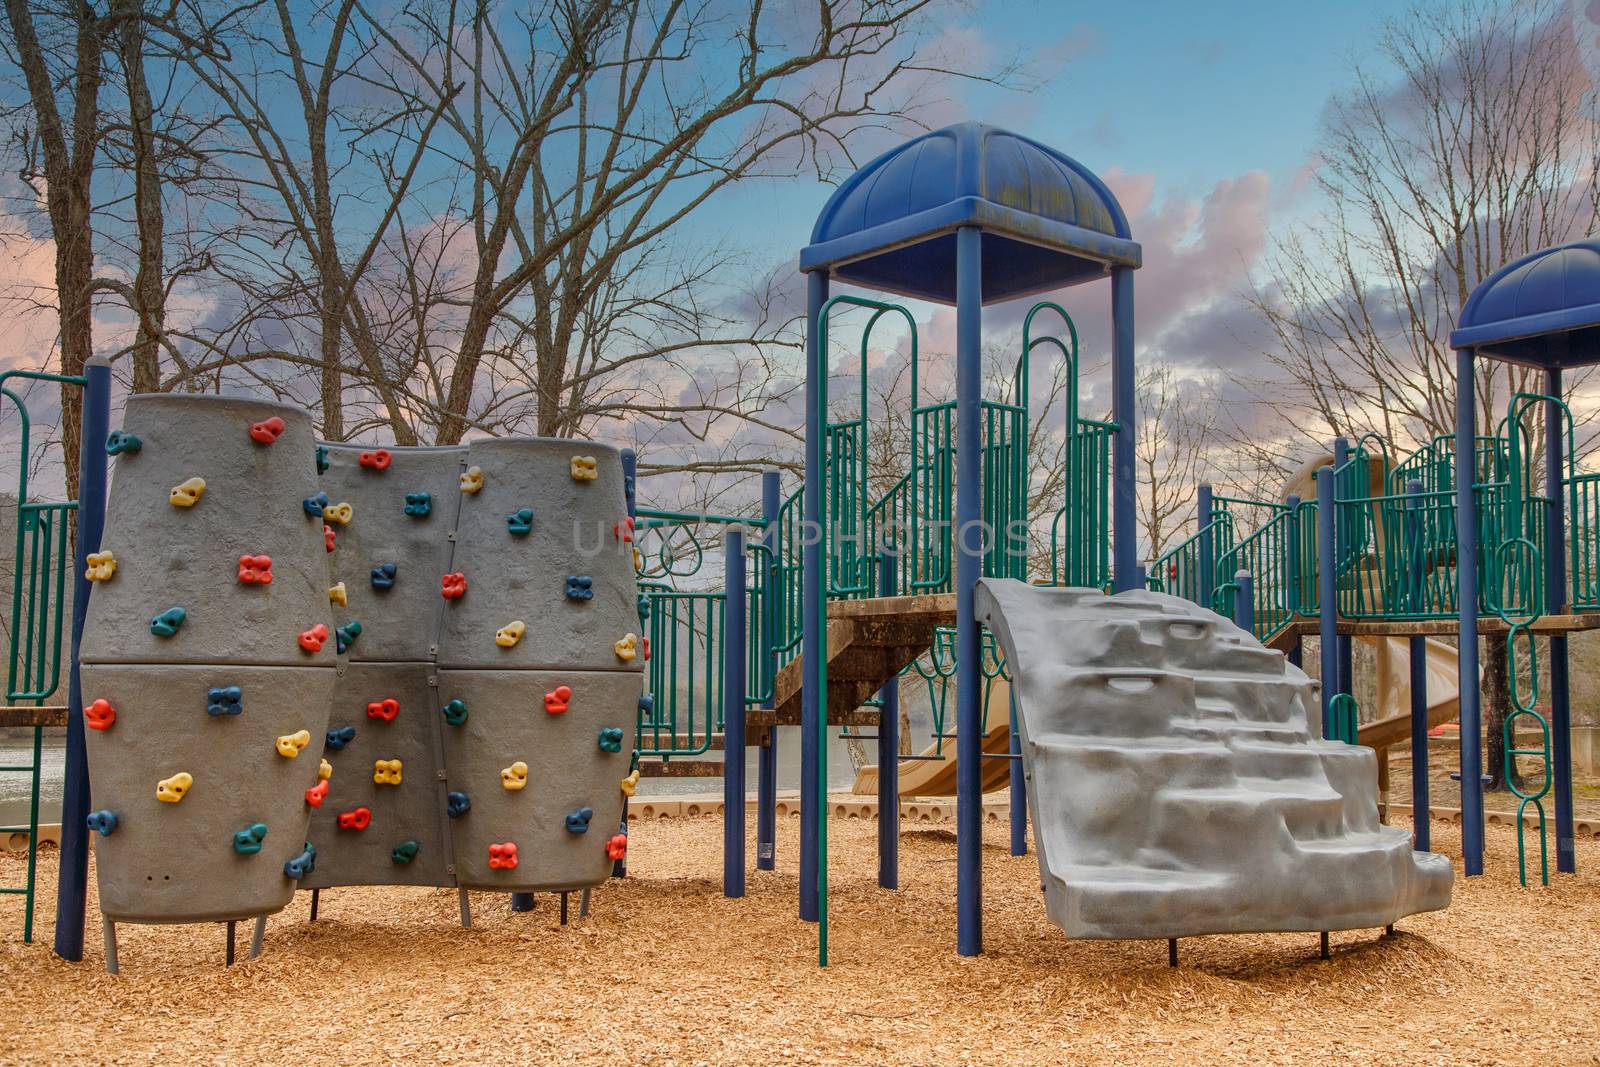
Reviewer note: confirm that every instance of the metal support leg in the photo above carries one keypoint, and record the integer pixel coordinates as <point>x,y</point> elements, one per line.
<point>563,907</point>
<point>583,904</point>
<point>108,930</point>
<point>258,936</point>
<point>1019,788</point>
<point>466,908</point>
<point>1172,952</point>
<point>1467,605</point>
<point>1421,831</point>
<point>889,752</point>
<point>316,898</point>
<point>521,902</point>
<point>733,714</point>
<point>969,548</point>
<point>232,924</point>
<point>767,754</point>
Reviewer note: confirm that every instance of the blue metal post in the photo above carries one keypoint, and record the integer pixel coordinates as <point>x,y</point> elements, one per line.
<point>1421,838</point>
<point>1555,562</point>
<point>969,555</point>
<point>1327,597</point>
<point>1208,547</point>
<point>767,754</point>
<point>888,751</point>
<point>630,497</point>
<point>813,593</point>
<point>1244,604</point>
<point>1019,788</point>
<point>72,881</point>
<point>1124,512</point>
<point>1467,602</point>
<point>734,658</point>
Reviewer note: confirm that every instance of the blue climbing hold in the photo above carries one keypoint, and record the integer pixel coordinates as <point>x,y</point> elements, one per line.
<point>247,842</point>
<point>345,636</point>
<point>341,737</point>
<point>455,712</point>
<point>166,624</point>
<point>647,708</point>
<point>383,575</point>
<point>302,864</point>
<point>224,700</point>
<point>419,505</point>
<point>120,441</point>
<point>520,522</point>
<point>611,739</point>
<point>102,822</point>
<point>578,821</point>
<point>457,804</point>
<point>313,505</point>
<point>642,605</point>
<point>322,460</point>
<point>580,587</point>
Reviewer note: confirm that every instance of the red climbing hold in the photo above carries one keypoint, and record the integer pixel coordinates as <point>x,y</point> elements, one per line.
<point>328,536</point>
<point>266,431</point>
<point>100,715</point>
<point>617,847</point>
<point>313,639</point>
<point>623,531</point>
<point>646,641</point>
<point>358,819</point>
<point>378,460</point>
<point>255,570</point>
<point>383,709</point>
<point>317,794</point>
<point>556,702</point>
<point>455,585</point>
<point>503,855</point>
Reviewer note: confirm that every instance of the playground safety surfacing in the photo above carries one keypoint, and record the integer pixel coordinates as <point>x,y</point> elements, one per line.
<point>667,971</point>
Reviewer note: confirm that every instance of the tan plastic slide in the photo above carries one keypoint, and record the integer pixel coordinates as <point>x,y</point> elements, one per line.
<point>935,774</point>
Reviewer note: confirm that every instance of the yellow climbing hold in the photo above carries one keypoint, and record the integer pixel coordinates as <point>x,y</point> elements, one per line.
<point>627,648</point>
<point>509,634</point>
<point>515,776</point>
<point>186,494</point>
<point>584,469</point>
<point>289,745</point>
<point>386,771</point>
<point>337,595</point>
<point>171,790</point>
<point>629,784</point>
<point>472,479</point>
<point>324,770</point>
<point>340,513</point>
<point>101,566</point>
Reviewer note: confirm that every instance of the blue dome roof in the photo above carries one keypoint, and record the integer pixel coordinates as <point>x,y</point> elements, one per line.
<point>1542,309</point>
<point>891,224</point>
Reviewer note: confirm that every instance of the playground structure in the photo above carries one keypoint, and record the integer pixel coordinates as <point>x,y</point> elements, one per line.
<point>830,595</point>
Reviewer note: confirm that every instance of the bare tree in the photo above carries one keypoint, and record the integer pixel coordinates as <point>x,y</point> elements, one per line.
<point>1466,147</point>
<point>1174,432</point>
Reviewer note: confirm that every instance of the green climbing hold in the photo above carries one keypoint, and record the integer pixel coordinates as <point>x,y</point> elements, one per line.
<point>120,441</point>
<point>455,712</point>
<point>611,739</point>
<point>345,636</point>
<point>247,842</point>
<point>166,624</point>
<point>404,852</point>
<point>322,460</point>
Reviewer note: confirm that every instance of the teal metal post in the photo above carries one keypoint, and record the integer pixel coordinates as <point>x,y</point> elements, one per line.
<point>1205,512</point>
<point>1292,593</point>
<point>812,598</point>
<point>1328,608</point>
<point>969,545</point>
<point>767,754</point>
<point>734,657</point>
<point>1467,604</point>
<point>1347,671</point>
<point>72,881</point>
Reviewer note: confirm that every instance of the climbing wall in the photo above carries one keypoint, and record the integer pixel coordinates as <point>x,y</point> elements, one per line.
<point>389,514</point>
<point>207,660</point>
<point>539,665</point>
<point>1175,785</point>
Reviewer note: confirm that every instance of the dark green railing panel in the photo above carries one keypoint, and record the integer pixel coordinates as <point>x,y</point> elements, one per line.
<point>1269,554</point>
<point>1180,570</point>
<point>1080,533</point>
<point>684,675</point>
<point>38,600</point>
<point>1004,457</point>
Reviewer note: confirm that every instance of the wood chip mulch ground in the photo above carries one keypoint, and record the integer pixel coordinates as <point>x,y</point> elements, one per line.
<point>667,971</point>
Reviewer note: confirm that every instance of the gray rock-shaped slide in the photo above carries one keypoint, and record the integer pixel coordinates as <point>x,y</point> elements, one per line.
<point>1174,783</point>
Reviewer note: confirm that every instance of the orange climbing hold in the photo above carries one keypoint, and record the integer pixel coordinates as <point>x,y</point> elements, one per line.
<point>617,847</point>
<point>385,709</point>
<point>255,570</point>
<point>100,715</point>
<point>503,855</point>
<point>359,819</point>
<point>313,639</point>
<point>558,700</point>
<point>454,585</point>
<point>317,794</point>
<point>378,459</point>
<point>266,431</point>
<point>623,530</point>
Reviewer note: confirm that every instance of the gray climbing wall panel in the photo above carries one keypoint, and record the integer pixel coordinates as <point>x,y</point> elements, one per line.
<point>1174,784</point>
<point>228,697</point>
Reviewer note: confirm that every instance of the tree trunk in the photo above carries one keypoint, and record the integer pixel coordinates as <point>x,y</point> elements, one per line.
<point>1496,707</point>
<point>149,292</point>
